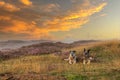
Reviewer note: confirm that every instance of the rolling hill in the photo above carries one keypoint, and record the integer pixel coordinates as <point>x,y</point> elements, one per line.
<point>52,67</point>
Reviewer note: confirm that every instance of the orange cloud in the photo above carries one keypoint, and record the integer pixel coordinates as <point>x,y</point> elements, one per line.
<point>26,2</point>
<point>85,12</point>
<point>4,18</point>
<point>64,25</point>
<point>64,21</point>
<point>8,6</point>
<point>2,2</point>
<point>20,27</point>
<point>73,19</point>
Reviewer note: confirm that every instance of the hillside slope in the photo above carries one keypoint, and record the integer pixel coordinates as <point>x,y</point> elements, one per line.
<point>52,67</point>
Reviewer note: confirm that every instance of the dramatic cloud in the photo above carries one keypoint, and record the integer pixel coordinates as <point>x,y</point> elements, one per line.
<point>26,2</point>
<point>4,18</point>
<point>8,7</point>
<point>85,12</point>
<point>42,19</point>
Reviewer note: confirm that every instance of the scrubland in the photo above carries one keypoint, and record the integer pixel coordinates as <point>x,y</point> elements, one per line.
<point>52,66</point>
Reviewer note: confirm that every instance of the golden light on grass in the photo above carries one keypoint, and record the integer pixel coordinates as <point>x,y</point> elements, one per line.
<point>107,52</point>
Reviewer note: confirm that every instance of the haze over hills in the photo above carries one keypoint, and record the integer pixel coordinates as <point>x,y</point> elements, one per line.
<point>17,48</point>
<point>14,44</point>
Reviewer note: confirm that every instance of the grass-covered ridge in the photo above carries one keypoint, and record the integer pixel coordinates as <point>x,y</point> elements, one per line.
<point>53,67</point>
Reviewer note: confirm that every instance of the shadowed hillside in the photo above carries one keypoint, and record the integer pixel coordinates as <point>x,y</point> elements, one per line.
<point>45,47</point>
<point>14,44</point>
<point>35,49</point>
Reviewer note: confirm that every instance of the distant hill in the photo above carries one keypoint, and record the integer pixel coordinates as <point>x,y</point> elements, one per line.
<point>14,44</point>
<point>36,47</point>
<point>84,42</point>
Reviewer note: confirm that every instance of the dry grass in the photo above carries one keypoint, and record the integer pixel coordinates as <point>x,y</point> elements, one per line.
<point>107,68</point>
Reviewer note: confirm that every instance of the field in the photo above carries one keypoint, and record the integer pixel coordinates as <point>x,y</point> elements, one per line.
<point>52,66</point>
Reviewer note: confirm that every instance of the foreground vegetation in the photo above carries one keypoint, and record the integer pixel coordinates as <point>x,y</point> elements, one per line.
<point>53,67</point>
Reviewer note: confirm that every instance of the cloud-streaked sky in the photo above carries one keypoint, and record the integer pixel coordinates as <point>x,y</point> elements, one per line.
<point>65,20</point>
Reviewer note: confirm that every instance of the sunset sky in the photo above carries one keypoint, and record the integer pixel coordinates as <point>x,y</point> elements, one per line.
<point>63,20</point>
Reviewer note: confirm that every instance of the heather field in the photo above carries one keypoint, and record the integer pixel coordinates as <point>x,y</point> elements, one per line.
<point>105,66</point>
